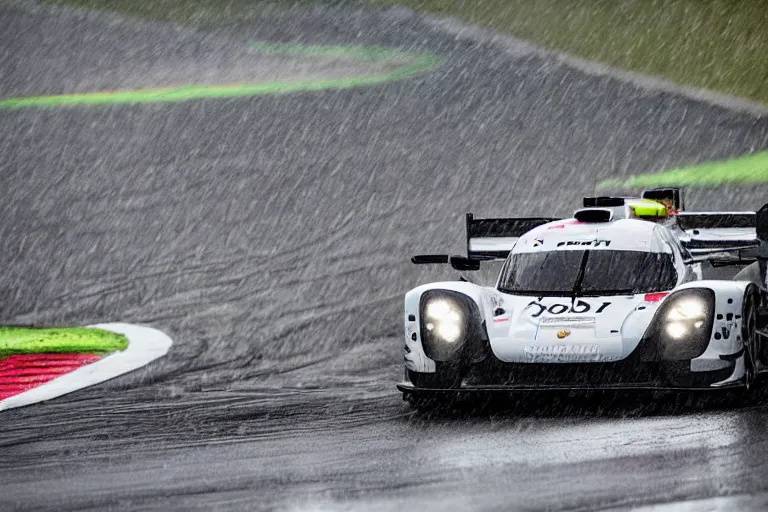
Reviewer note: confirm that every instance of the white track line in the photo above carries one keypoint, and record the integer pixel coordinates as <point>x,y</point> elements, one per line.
<point>144,345</point>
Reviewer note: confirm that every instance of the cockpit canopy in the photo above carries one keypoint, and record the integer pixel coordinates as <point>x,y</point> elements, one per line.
<point>570,258</point>
<point>587,272</point>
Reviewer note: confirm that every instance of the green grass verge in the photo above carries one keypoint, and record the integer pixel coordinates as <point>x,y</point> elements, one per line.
<point>714,44</point>
<point>406,64</point>
<point>30,340</point>
<point>745,170</point>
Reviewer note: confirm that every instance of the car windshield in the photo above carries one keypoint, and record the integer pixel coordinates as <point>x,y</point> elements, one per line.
<point>595,272</point>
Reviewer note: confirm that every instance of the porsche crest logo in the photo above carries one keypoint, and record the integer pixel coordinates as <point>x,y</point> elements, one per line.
<point>563,334</point>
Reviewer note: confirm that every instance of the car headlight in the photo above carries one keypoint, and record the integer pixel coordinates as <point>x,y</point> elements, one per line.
<point>682,325</point>
<point>444,318</point>
<point>447,320</point>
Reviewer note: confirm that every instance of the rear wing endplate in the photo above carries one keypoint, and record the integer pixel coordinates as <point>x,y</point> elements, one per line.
<point>761,229</point>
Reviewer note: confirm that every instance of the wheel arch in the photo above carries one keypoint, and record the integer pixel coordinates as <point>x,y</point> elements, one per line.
<point>416,358</point>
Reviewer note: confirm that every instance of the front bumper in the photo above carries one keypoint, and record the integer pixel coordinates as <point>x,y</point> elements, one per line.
<point>495,375</point>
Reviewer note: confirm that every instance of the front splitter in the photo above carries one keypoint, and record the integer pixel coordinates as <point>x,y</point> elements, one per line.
<point>407,387</point>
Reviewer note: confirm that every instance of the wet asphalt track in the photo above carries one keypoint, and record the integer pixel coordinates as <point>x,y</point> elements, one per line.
<point>270,237</point>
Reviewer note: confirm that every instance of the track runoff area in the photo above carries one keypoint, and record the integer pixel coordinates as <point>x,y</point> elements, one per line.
<point>38,364</point>
<point>41,364</point>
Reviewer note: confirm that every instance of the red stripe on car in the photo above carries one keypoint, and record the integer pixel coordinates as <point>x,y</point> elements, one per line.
<point>655,297</point>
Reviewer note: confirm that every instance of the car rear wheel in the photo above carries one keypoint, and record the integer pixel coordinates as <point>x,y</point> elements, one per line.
<point>749,338</point>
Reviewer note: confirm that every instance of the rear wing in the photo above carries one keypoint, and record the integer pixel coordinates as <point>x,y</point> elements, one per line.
<point>720,237</point>
<point>703,233</point>
<point>494,238</point>
<point>727,238</point>
<point>487,239</point>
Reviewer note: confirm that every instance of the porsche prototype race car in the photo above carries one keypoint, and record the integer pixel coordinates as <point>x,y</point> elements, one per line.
<point>615,297</point>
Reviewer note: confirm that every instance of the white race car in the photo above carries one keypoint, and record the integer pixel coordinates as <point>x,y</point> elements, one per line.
<point>615,297</point>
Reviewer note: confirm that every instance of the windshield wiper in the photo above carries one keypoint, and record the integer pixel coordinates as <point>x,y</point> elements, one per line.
<point>579,277</point>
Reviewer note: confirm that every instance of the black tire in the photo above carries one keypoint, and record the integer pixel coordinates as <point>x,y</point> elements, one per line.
<point>749,338</point>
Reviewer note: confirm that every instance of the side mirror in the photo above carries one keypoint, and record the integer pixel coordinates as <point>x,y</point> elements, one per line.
<point>457,262</point>
<point>429,259</point>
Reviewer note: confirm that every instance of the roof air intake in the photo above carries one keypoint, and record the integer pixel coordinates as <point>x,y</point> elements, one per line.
<point>593,215</point>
